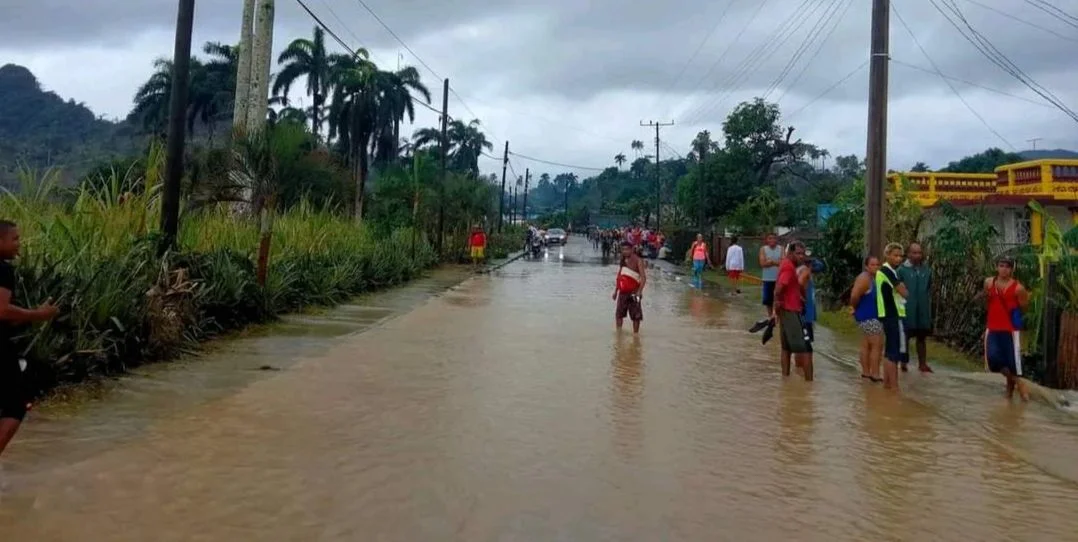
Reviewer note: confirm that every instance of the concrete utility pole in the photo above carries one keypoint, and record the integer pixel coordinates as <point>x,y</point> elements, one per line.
<point>243,67</point>
<point>177,123</point>
<point>445,152</point>
<point>524,211</point>
<point>658,175</point>
<point>876,154</point>
<point>501,195</point>
<point>1034,141</point>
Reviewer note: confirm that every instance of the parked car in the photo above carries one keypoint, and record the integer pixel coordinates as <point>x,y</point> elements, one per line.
<point>556,236</point>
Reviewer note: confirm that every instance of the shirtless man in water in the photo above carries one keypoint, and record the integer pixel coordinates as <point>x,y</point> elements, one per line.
<point>628,286</point>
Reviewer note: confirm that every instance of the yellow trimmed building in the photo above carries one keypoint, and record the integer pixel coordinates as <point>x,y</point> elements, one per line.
<point>1006,194</point>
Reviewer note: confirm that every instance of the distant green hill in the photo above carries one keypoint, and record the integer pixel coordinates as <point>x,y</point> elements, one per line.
<point>1046,154</point>
<point>39,129</point>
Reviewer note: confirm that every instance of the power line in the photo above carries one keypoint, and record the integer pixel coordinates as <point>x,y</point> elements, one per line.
<point>346,27</point>
<point>725,51</point>
<point>1023,21</point>
<point>695,53</point>
<point>970,83</point>
<point>398,38</point>
<point>817,29</point>
<point>550,163</point>
<point>994,55</point>
<point>355,53</point>
<point>1054,12</point>
<point>949,84</point>
<point>816,54</point>
<point>751,64</point>
<point>828,90</point>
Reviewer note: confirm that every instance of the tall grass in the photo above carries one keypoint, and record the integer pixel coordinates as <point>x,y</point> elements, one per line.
<point>94,251</point>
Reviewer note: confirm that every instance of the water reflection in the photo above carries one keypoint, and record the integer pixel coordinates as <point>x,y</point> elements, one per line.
<point>627,382</point>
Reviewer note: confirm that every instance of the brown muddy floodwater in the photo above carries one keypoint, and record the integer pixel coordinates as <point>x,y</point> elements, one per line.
<point>507,408</point>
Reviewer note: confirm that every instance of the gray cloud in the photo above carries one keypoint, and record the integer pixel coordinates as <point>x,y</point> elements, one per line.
<point>568,80</point>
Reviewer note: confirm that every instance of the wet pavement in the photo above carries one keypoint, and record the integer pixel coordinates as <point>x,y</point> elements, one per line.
<point>507,408</point>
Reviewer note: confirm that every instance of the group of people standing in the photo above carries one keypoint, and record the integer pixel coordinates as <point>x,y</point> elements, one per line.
<point>789,298</point>
<point>891,303</point>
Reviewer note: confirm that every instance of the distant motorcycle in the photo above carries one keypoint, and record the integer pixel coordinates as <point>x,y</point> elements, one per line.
<point>536,246</point>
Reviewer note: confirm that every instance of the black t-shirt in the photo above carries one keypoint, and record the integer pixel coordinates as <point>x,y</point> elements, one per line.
<point>8,282</point>
<point>887,290</point>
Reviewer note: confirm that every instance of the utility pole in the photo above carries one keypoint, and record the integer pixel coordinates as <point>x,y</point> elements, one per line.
<point>658,176</point>
<point>567,178</point>
<point>1034,141</point>
<point>444,152</point>
<point>700,184</point>
<point>524,211</point>
<point>513,205</point>
<point>501,195</point>
<point>177,122</point>
<point>876,154</point>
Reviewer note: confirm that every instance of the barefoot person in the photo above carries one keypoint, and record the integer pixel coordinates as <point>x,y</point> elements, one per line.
<point>891,307</point>
<point>735,264</point>
<point>700,260</point>
<point>789,305</point>
<point>917,277</point>
<point>1006,300</point>
<point>770,257</point>
<point>628,286</point>
<point>863,306</point>
<point>15,390</point>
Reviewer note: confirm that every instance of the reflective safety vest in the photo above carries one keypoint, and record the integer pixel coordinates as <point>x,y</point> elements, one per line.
<point>881,306</point>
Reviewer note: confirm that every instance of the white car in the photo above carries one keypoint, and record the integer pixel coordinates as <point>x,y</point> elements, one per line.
<point>556,236</point>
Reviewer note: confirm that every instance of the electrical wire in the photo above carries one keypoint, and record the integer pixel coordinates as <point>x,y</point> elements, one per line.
<point>692,57</point>
<point>751,64</point>
<point>550,163</point>
<point>1054,12</point>
<point>828,90</point>
<point>935,67</point>
<point>814,33</point>
<point>815,54</point>
<point>970,83</point>
<point>725,51</point>
<point>1023,21</point>
<point>994,55</point>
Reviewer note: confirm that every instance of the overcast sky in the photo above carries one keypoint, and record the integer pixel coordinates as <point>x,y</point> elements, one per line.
<point>569,81</point>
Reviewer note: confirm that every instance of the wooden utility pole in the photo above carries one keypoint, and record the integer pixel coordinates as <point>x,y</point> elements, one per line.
<point>444,152</point>
<point>177,123</point>
<point>658,171</point>
<point>876,154</point>
<point>501,195</point>
<point>524,210</point>
<point>701,181</point>
<point>1033,141</point>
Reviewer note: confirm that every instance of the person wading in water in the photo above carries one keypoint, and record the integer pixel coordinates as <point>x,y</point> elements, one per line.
<point>628,287</point>
<point>770,257</point>
<point>866,314</point>
<point>789,305</point>
<point>1006,300</point>
<point>15,389</point>
<point>700,260</point>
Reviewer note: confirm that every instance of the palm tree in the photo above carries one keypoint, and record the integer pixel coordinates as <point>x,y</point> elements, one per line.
<point>354,115</point>
<point>152,98</point>
<point>466,143</point>
<point>398,99</point>
<point>620,160</point>
<point>307,58</point>
<point>470,142</point>
<point>638,147</point>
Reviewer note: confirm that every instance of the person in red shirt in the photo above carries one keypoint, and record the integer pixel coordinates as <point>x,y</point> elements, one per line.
<point>1006,300</point>
<point>478,244</point>
<point>789,304</point>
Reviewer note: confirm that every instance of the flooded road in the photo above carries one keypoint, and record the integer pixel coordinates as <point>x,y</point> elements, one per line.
<point>507,408</point>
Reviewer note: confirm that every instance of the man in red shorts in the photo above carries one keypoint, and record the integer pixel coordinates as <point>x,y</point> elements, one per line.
<point>628,286</point>
<point>735,264</point>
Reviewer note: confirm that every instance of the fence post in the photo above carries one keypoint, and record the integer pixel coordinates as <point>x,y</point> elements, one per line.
<point>1050,328</point>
